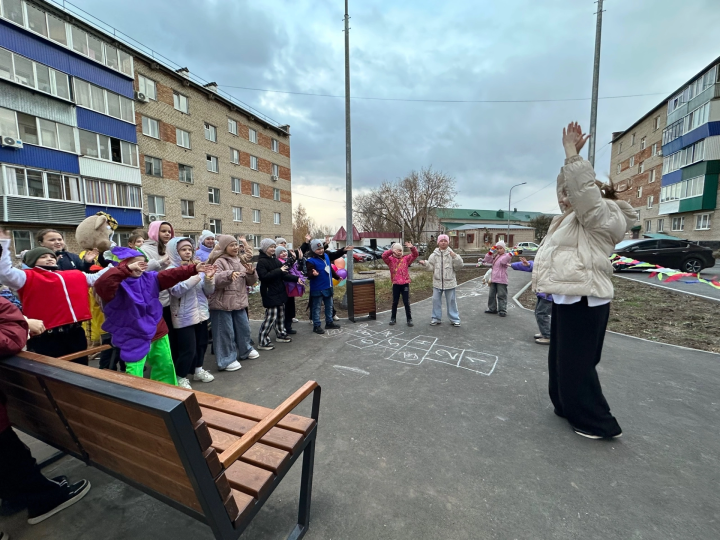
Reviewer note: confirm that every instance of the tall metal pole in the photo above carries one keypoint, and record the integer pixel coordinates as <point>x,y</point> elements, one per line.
<point>596,83</point>
<point>348,155</point>
<point>509,198</point>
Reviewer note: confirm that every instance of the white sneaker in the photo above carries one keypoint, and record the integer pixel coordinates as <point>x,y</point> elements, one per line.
<point>233,367</point>
<point>204,376</point>
<point>253,354</point>
<point>295,320</point>
<point>182,382</point>
<point>336,318</point>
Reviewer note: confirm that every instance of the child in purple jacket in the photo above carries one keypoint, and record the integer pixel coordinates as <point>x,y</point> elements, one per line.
<point>543,308</point>
<point>499,260</point>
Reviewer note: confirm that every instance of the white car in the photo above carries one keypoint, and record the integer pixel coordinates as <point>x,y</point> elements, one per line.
<point>527,246</point>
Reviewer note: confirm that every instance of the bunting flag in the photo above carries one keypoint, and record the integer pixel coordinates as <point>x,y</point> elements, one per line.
<point>663,274</point>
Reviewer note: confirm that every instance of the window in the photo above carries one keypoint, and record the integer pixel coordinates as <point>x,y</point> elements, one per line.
<point>684,157</point>
<point>276,218</point>
<point>112,194</point>
<point>237,213</point>
<point>185,173</point>
<point>182,138</point>
<point>150,127</point>
<point>180,102</point>
<point>232,126</point>
<point>254,163</point>
<point>147,86</point>
<point>210,132</point>
<point>632,140</point>
<point>37,131</point>
<point>678,223</point>
<point>632,161</point>
<point>47,185</point>
<point>213,195</point>
<point>235,185</point>
<point>618,168</point>
<point>653,152</point>
<point>19,69</point>
<point>661,225</point>
<point>153,166</point>
<point>639,192</point>
<point>252,135</point>
<point>650,201</point>
<point>212,163</point>
<point>108,148</point>
<point>187,208</point>
<point>651,179</point>
<point>234,156</point>
<point>256,216</point>
<point>275,145</point>
<point>13,11</point>
<point>641,168</point>
<point>620,147</point>
<point>255,189</point>
<point>28,128</point>
<point>156,205</point>
<point>215,226</point>
<point>643,142</point>
<point>276,194</point>
<point>648,225</point>
<point>275,170</point>
<point>702,222</point>
<point>657,123</point>
<point>256,241</point>
<point>23,241</point>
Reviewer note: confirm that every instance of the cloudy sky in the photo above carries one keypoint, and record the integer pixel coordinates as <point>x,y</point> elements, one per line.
<point>429,50</point>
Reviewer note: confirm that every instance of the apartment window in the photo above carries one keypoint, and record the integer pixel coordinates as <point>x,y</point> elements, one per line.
<point>108,148</point>
<point>692,187</point>
<point>686,156</point>
<point>213,195</point>
<point>232,126</point>
<point>100,100</point>
<point>620,148</point>
<point>19,69</point>
<point>641,168</point>
<point>702,222</point>
<point>235,185</point>
<point>153,166</point>
<point>660,225</point>
<point>632,140</point>
<point>657,123</point>
<point>653,152</point>
<point>275,145</point>
<point>256,241</point>
<point>276,194</point>
<point>180,102</point>
<point>112,193</point>
<point>678,223</point>
<point>651,179</point>
<point>618,168</point>
<point>156,205</point>
<point>632,161</point>
<point>255,189</point>
<point>650,201</point>
<point>46,185</point>
<point>275,170</point>
<point>147,86</point>
<point>276,218</point>
<point>648,225</point>
<point>23,241</point>
<point>234,156</point>
<point>150,127</point>
<point>252,135</point>
<point>254,163</point>
<point>37,131</point>
<point>237,213</point>
<point>643,142</point>
<point>187,208</point>
<point>639,192</point>
<point>210,132</point>
<point>185,173</point>
<point>256,216</point>
<point>212,163</point>
<point>215,226</point>
<point>182,137</point>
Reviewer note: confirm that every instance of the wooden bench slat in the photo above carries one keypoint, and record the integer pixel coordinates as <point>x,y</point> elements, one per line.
<point>34,399</point>
<point>213,462</point>
<point>23,380</point>
<point>249,479</point>
<point>260,455</point>
<point>45,424</point>
<point>244,503</point>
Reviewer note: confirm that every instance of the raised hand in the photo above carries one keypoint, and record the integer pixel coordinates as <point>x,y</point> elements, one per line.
<point>408,245</point>
<point>90,255</point>
<point>249,268</point>
<point>284,268</point>
<point>348,248</point>
<point>573,139</point>
<point>137,268</point>
<point>299,254</point>
<point>308,237</point>
<point>524,261</point>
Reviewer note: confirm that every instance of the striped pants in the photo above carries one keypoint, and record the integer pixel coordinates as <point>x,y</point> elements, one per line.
<point>274,316</point>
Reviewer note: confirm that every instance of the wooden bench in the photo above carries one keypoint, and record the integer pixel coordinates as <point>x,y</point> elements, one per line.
<point>215,459</point>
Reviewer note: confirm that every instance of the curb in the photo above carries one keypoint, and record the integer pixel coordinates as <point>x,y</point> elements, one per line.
<point>668,289</point>
<point>515,298</point>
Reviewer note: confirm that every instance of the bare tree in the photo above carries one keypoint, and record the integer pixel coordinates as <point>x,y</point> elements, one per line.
<point>302,225</point>
<point>541,224</point>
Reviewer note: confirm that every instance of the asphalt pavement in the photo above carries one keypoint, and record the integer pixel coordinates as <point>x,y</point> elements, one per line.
<point>447,433</point>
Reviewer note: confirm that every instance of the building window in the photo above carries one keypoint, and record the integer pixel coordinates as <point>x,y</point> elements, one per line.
<point>234,156</point>
<point>639,192</point>
<point>275,145</point>
<point>156,205</point>
<point>147,86</point>
<point>212,163</point>
<point>43,78</point>
<point>620,148</point>
<point>275,170</point>
<point>180,102</point>
<point>112,194</point>
<point>256,241</point>
<point>653,152</point>
<point>182,138</point>
<point>37,131</point>
<point>254,163</point>
<point>46,185</point>
<point>657,123</point>
<point>252,135</point>
<point>632,161</point>
<point>255,189</point>
<point>661,225</point>
<point>648,225</point>
<point>235,185</point>
<point>215,226</point>
<point>692,187</point>
<point>100,100</point>
<point>150,127</point>
<point>650,201</point>
<point>185,173</point>
<point>153,166</point>
<point>651,179</point>
<point>108,148</point>
<point>643,142</point>
<point>276,218</point>
<point>23,241</point>
<point>232,126</point>
<point>702,222</point>
<point>684,157</point>
<point>276,194</point>
<point>210,132</point>
<point>187,208</point>
<point>641,168</point>
<point>213,195</point>
<point>632,140</point>
<point>237,213</point>
<point>256,216</point>
<point>618,168</point>
<point>678,223</point>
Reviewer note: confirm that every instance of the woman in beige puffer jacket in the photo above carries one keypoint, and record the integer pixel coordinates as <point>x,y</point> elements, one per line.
<point>573,265</point>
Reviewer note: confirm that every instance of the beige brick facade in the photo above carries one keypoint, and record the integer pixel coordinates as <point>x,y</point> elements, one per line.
<point>205,107</point>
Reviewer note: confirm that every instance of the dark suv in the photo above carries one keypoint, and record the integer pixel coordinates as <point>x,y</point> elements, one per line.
<point>676,254</point>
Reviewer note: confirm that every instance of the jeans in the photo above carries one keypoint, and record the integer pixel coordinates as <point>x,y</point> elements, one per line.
<point>543,309</point>
<point>274,316</point>
<point>231,336</point>
<point>192,343</point>
<point>397,291</point>
<point>160,360</point>
<point>451,302</point>
<point>498,304</point>
<point>316,299</point>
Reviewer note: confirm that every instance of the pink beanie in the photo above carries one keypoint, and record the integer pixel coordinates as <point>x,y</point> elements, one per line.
<point>443,237</point>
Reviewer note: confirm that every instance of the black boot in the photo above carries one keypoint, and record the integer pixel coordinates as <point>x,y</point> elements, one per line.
<point>392,321</point>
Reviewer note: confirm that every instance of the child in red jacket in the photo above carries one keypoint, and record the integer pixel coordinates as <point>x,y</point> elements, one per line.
<point>400,277</point>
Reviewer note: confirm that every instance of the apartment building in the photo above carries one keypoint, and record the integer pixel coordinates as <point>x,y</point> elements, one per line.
<point>68,146</point>
<point>684,202</point>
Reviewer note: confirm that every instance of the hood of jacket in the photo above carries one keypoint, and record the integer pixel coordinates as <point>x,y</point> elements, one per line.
<point>172,250</point>
<point>154,229</point>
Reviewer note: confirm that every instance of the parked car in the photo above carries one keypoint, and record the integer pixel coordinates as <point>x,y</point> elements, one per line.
<point>527,246</point>
<point>360,257</point>
<point>676,254</point>
<point>366,250</point>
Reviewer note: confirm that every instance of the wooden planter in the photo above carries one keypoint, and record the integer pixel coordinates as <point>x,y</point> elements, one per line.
<point>361,298</point>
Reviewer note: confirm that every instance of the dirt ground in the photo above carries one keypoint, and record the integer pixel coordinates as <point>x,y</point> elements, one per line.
<point>659,315</point>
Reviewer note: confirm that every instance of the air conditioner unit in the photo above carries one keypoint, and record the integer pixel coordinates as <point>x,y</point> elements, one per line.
<point>142,98</point>
<point>274,178</point>
<point>153,217</point>
<point>462,235</point>
<point>250,237</point>
<point>12,142</point>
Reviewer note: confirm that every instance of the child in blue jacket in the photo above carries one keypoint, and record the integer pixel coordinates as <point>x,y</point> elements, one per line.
<point>543,308</point>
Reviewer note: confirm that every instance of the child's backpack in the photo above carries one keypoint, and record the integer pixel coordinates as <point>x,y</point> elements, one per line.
<point>294,289</point>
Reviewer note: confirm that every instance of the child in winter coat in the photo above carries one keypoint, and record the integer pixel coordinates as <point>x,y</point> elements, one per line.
<point>319,269</point>
<point>228,315</point>
<point>543,307</point>
<point>400,277</point>
<point>190,314</point>
<point>500,261</point>
<point>293,289</point>
<point>444,263</point>
<point>206,245</point>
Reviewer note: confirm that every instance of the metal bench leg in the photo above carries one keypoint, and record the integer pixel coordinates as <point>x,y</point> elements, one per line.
<point>305,492</point>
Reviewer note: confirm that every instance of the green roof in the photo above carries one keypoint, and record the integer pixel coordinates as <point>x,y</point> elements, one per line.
<point>485,215</point>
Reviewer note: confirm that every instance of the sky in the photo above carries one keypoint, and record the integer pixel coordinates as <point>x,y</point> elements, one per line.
<point>429,50</point>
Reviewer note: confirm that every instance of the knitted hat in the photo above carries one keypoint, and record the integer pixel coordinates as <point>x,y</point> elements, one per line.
<point>279,241</point>
<point>397,245</point>
<point>204,236</point>
<point>316,244</point>
<point>500,244</point>
<point>184,241</point>
<point>266,243</point>
<point>443,237</point>
<point>281,251</point>
<point>223,241</point>
<point>31,256</point>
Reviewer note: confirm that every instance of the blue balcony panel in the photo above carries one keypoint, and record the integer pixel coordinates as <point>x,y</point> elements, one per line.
<point>57,57</point>
<point>41,158</point>
<point>691,137</point>
<point>671,178</point>
<point>106,125</point>
<point>125,217</point>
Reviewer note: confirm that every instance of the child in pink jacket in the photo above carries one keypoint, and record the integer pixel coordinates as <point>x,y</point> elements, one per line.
<point>400,277</point>
<point>500,261</point>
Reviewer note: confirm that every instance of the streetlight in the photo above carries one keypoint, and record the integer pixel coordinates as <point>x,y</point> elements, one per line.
<point>509,198</point>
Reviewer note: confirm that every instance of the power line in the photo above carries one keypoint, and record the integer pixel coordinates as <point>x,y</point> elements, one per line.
<point>319,198</point>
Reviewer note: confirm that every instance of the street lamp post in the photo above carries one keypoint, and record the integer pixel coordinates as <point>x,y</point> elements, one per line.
<point>509,199</point>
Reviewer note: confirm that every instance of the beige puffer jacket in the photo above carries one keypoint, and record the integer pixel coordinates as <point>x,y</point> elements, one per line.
<point>229,295</point>
<point>443,267</point>
<point>573,258</point>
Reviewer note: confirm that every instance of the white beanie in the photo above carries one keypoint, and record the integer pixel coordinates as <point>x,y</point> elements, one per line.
<point>396,245</point>
<point>266,243</point>
<point>500,244</point>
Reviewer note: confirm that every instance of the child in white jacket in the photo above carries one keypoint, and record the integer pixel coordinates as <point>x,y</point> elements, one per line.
<point>444,263</point>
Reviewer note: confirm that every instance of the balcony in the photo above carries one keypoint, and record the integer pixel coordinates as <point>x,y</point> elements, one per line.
<point>703,97</point>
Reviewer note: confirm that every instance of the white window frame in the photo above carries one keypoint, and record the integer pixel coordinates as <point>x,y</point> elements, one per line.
<point>639,192</point>
<point>233,182</point>
<point>256,216</point>
<point>641,167</point>
<point>178,102</point>
<point>254,163</point>
<point>252,135</point>
<point>648,225</point>
<point>276,194</point>
<point>186,205</point>
<point>653,151</point>
<point>235,156</point>
<point>275,170</point>
<point>678,221</point>
<point>650,201</point>
<point>618,168</point>
<point>632,161</point>
<point>237,213</point>
<point>152,162</point>
<point>275,145</point>
<point>65,178</point>
<point>657,123</point>
<point>147,127</point>
<point>31,237</point>
<point>215,225</point>
<point>180,138</point>
<point>155,199</point>
<point>182,167</point>
<point>147,86</point>
<point>232,126</point>
<point>255,189</point>
<point>119,191</point>
<point>128,151</point>
<point>210,132</point>
<point>213,195</point>
<point>104,107</point>
<point>213,164</point>
<point>632,140</point>
<point>651,178</point>
<point>700,217</point>
<point>643,143</point>
<point>276,218</point>
<point>53,76</point>
<point>661,225</point>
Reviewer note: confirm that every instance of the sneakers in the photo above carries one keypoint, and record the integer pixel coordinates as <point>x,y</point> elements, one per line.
<point>318,330</point>
<point>253,354</point>
<point>336,318</point>
<point>295,320</point>
<point>291,332</point>
<point>268,347</point>
<point>542,341</point>
<point>435,323</point>
<point>283,340</point>
<point>204,376</point>
<point>392,322</point>
<point>595,437</point>
<point>233,366</point>
<point>74,493</point>
<point>456,323</point>
<point>410,323</point>
<point>182,382</point>
<point>502,314</point>
<point>332,326</point>
<point>491,312</point>
<point>536,336</point>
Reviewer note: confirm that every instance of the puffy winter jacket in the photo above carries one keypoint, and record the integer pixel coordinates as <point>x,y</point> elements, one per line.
<point>272,281</point>
<point>229,295</point>
<point>156,262</point>
<point>573,258</point>
<point>188,299</point>
<point>443,267</point>
<point>400,266</point>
